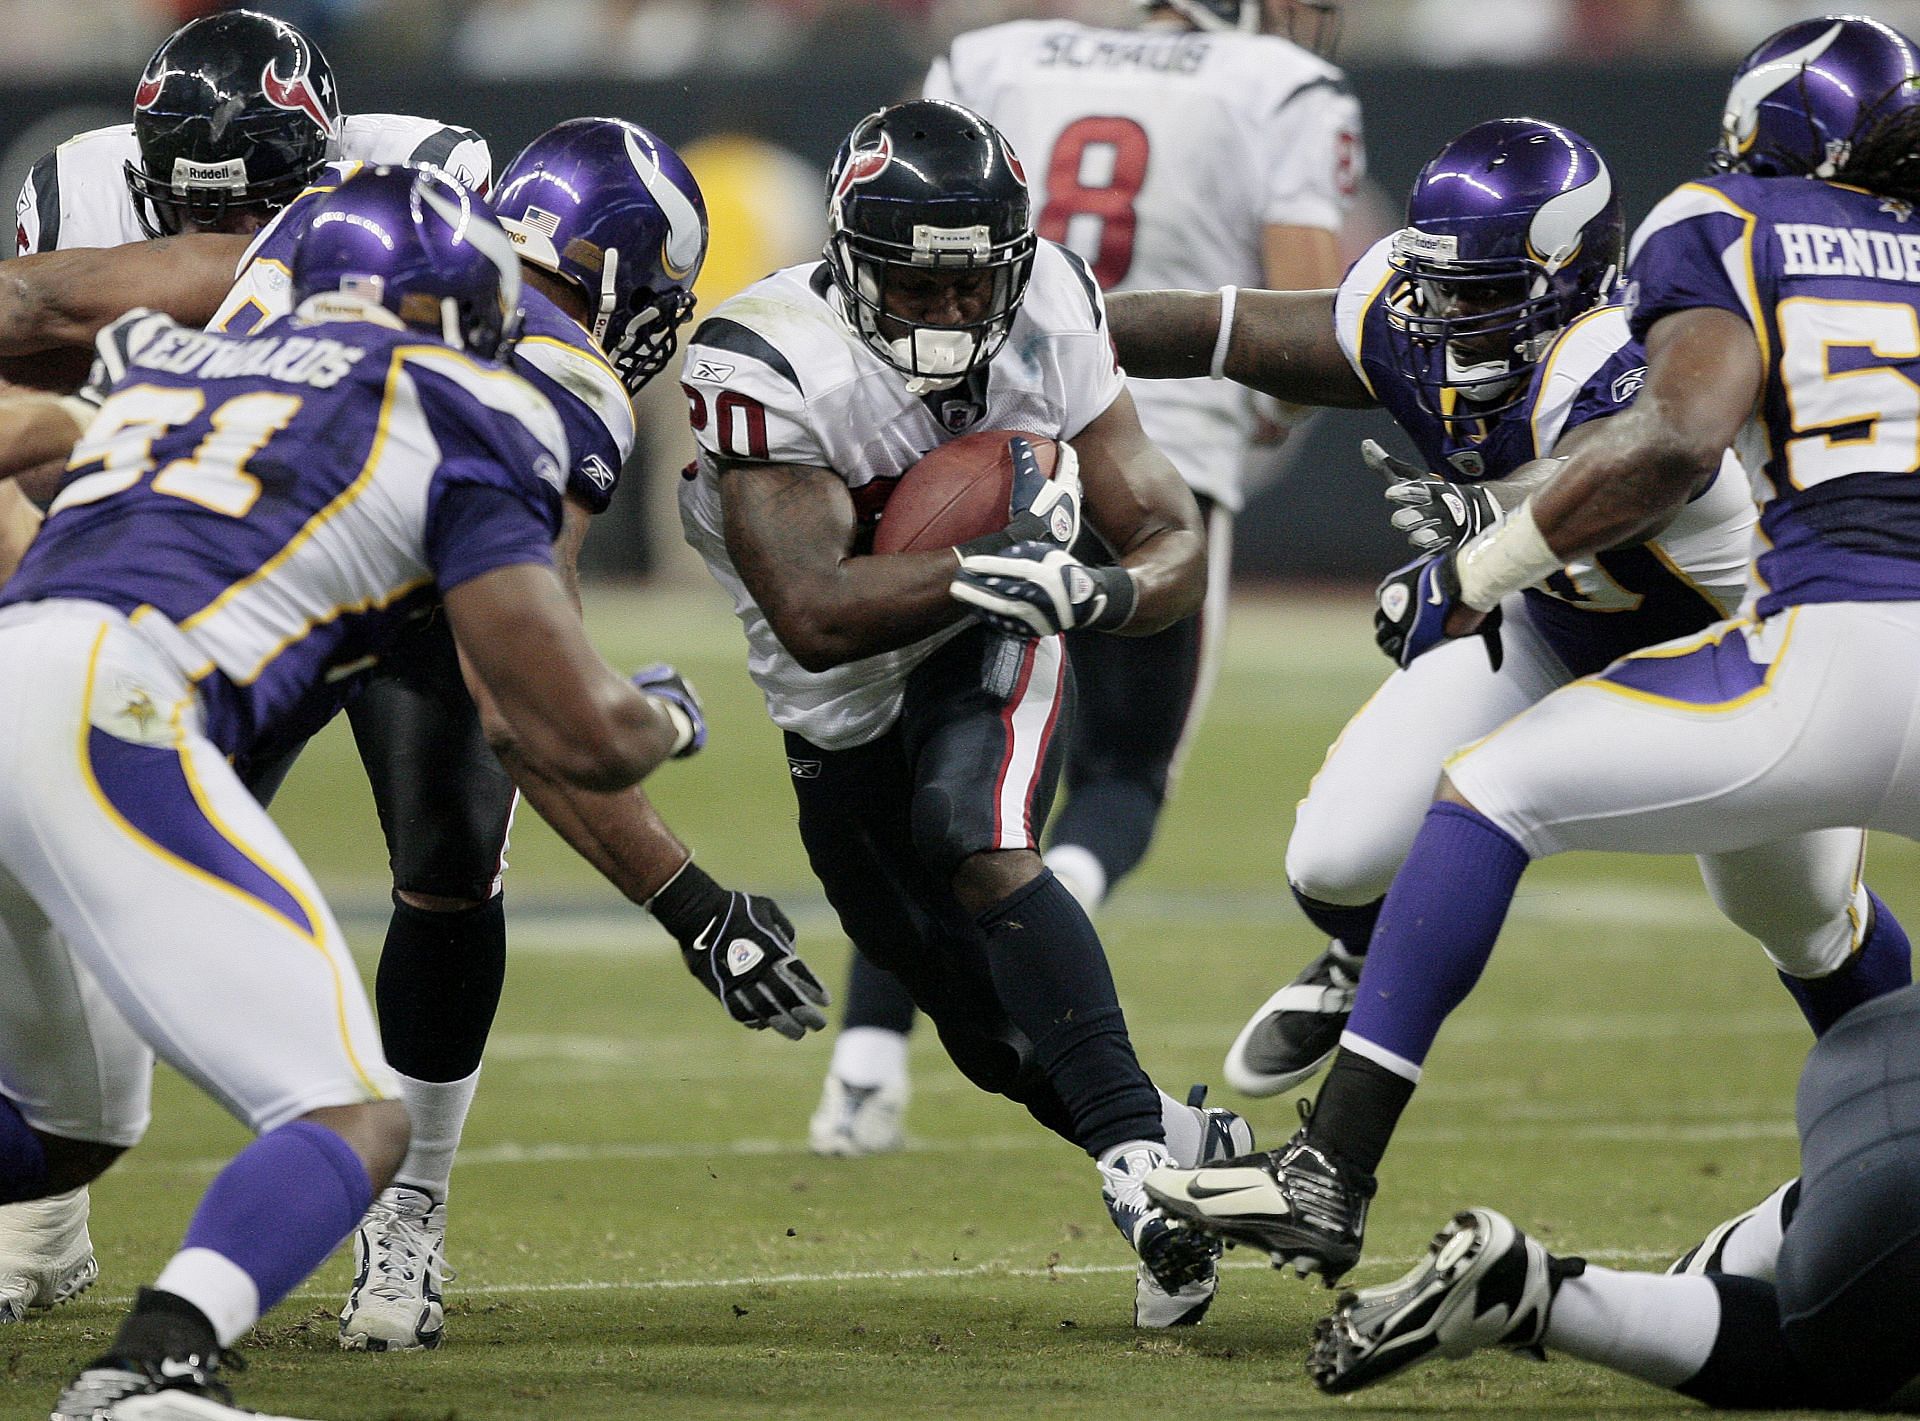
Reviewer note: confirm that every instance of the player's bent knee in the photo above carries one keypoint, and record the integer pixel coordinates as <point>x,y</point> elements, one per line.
<point>1346,866</point>
<point>984,879</point>
<point>378,1131</point>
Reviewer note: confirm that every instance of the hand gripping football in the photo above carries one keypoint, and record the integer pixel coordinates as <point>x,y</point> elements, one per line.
<point>960,491</point>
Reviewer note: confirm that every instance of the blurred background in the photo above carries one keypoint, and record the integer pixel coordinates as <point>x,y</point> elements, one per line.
<point>757,93</point>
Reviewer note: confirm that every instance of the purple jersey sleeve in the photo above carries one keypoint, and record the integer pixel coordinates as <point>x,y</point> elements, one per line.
<point>1687,253</point>
<point>494,500</point>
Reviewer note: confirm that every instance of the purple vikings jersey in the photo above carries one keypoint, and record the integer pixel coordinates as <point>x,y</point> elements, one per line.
<point>556,354</point>
<point>1623,599</point>
<point>271,507</point>
<point>1826,277</point>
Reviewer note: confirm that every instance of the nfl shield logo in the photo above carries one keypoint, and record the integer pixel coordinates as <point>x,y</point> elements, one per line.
<point>1469,463</point>
<point>956,415</point>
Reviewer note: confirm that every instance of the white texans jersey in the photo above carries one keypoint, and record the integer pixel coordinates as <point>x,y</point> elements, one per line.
<point>776,375</point>
<point>76,196</point>
<point>1160,156</point>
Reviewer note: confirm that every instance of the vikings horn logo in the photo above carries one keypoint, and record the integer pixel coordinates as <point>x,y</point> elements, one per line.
<point>685,242</point>
<point>863,166</point>
<point>296,92</point>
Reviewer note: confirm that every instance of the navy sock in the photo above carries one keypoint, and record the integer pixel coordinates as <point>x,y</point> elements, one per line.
<point>1351,926</point>
<point>1051,976</point>
<point>438,987</point>
<point>23,1159</point>
<point>282,1205</point>
<point>875,997</point>
<point>1751,1367</point>
<point>1436,931</point>
<point>1883,964</point>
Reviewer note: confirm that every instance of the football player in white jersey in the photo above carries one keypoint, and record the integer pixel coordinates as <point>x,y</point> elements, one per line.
<point>923,740</point>
<point>175,169</point>
<point>1192,152</point>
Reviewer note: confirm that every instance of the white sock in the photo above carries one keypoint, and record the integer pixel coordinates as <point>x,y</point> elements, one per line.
<point>1186,1131</point>
<point>1752,1248</point>
<point>1081,872</point>
<point>1648,1325</point>
<point>439,1113</point>
<point>216,1285</point>
<point>869,1056</point>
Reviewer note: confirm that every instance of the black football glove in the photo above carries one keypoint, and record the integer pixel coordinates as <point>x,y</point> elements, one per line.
<point>1040,509</point>
<point>739,946</point>
<point>1435,513</point>
<point>1037,589</point>
<point>1411,607</point>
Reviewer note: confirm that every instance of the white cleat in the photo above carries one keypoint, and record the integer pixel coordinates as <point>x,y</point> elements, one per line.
<point>1176,1280</point>
<point>46,1255</point>
<point>399,1267</point>
<point>852,1122</point>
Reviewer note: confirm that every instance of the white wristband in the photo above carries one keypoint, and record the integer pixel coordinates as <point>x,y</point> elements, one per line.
<point>1229,298</point>
<point>1504,559</point>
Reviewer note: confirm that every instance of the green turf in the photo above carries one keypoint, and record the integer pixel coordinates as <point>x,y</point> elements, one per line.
<point>639,1231</point>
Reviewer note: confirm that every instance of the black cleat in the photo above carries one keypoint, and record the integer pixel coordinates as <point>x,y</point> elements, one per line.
<point>174,1388</point>
<point>1300,1204</point>
<point>1297,1028</point>
<point>1483,1283</point>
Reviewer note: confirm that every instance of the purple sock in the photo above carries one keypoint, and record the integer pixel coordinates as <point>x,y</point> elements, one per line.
<point>1436,930</point>
<point>23,1161</point>
<point>1883,964</point>
<point>283,1205</point>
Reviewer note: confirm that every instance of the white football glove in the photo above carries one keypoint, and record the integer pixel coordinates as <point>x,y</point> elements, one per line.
<point>1040,509</point>
<point>1037,589</point>
<point>1435,513</point>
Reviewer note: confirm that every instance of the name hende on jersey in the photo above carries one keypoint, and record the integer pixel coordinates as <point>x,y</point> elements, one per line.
<point>1815,249</point>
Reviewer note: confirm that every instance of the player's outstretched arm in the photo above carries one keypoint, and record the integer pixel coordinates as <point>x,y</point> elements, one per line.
<point>1622,483</point>
<point>570,716</point>
<point>56,300</point>
<point>790,531</point>
<point>1281,342</point>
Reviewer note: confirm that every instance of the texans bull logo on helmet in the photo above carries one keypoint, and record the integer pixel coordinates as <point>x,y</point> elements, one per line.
<point>863,166</point>
<point>296,92</point>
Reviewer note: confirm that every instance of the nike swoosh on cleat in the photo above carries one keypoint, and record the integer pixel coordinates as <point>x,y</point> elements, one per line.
<point>1197,1190</point>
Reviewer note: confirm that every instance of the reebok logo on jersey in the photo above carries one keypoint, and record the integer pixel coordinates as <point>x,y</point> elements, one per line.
<point>596,470</point>
<point>1626,386</point>
<point>803,769</point>
<point>712,371</point>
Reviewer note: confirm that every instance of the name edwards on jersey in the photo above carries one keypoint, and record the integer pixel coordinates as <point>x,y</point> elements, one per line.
<point>291,360</point>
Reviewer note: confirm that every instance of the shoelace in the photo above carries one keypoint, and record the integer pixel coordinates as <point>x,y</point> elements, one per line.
<point>402,1254</point>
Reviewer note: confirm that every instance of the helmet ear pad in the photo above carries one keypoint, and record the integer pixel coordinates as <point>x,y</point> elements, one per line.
<point>236,113</point>
<point>928,187</point>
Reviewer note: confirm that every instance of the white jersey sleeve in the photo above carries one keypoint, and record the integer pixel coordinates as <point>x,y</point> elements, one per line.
<point>76,196</point>
<point>1312,139</point>
<point>1359,289</point>
<point>393,138</point>
<point>745,398</point>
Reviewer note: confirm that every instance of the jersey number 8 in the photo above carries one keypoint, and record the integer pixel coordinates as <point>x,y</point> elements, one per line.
<point>1093,179</point>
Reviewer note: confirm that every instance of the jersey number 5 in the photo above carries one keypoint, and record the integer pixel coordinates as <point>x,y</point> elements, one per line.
<point>1863,417</point>
<point>1093,178</point>
<point>214,475</point>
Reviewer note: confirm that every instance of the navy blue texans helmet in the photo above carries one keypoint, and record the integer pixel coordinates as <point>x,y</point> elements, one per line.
<point>1806,94</point>
<point>1513,229</point>
<point>418,243</point>
<point>613,211</point>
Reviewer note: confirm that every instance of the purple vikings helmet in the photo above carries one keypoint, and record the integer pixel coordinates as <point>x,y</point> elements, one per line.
<point>416,242</point>
<point>1513,229</point>
<point>610,209</point>
<point>1802,99</point>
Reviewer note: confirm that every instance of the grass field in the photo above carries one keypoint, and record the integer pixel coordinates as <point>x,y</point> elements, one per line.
<point>639,1230</point>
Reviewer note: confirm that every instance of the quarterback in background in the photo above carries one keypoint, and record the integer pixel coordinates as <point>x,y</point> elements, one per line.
<point>1213,145</point>
<point>923,741</point>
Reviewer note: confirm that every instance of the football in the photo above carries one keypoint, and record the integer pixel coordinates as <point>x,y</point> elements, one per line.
<point>958,492</point>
